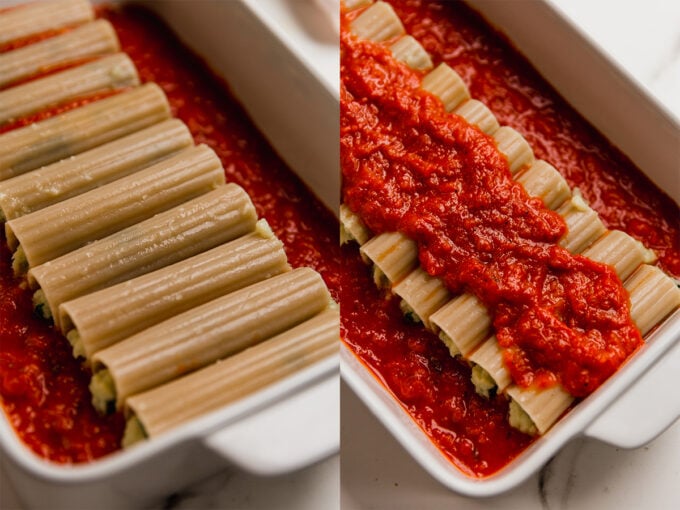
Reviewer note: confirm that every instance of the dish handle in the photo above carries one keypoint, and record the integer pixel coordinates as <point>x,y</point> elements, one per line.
<point>648,407</point>
<point>292,434</point>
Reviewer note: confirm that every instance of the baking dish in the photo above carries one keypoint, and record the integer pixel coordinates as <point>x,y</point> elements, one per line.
<point>241,436</point>
<point>564,57</point>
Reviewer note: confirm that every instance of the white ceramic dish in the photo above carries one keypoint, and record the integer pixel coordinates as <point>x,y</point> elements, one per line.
<point>627,411</point>
<point>289,425</point>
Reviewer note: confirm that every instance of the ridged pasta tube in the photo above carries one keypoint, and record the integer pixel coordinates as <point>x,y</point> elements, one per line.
<point>61,228</point>
<point>85,42</point>
<point>543,181</point>
<point>462,323</point>
<point>620,251</point>
<point>446,84</point>
<point>38,17</point>
<point>421,295</point>
<point>478,114</point>
<point>210,388</point>
<point>534,410</point>
<point>352,228</point>
<point>206,334</point>
<point>98,320</point>
<point>48,185</point>
<point>409,51</point>
<point>106,74</point>
<point>514,147</point>
<point>377,23</point>
<point>189,229</point>
<point>489,374</point>
<point>83,128</point>
<point>393,256</point>
<point>583,223</point>
<point>653,296</point>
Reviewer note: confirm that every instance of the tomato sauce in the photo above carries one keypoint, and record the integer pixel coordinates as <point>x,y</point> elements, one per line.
<point>43,389</point>
<point>405,165</point>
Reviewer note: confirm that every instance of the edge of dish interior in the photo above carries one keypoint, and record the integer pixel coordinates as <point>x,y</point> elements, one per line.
<point>285,393</point>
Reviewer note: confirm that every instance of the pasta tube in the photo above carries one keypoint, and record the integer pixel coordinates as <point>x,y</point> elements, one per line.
<point>514,147</point>
<point>462,323</point>
<point>109,73</point>
<point>100,319</point>
<point>447,85</point>
<point>653,296</point>
<point>167,406</point>
<point>393,256</point>
<point>38,17</point>
<point>40,188</point>
<point>81,129</point>
<point>205,334</point>
<point>352,228</point>
<point>409,51</point>
<point>421,295</point>
<point>489,374</point>
<point>85,42</point>
<point>620,251</point>
<point>583,223</point>
<point>377,23</point>
<point>534,410</point>
<point>60,228</point>
<point>168,237</point>
<point>476,113</point>
<point>543,181</point>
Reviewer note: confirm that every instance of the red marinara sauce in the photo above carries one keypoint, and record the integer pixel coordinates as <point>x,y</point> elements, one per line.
<point>44,390</point>
<point>409,166</point>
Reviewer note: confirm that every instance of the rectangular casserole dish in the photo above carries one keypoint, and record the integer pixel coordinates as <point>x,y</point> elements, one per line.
<point>650,137</point>
<point>270,432</point>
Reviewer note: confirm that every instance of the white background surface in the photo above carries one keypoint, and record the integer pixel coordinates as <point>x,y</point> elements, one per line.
<point>644,37</point>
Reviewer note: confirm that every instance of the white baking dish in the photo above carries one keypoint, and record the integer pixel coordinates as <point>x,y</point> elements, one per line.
<point>628,410</point>
<point>294,423</point>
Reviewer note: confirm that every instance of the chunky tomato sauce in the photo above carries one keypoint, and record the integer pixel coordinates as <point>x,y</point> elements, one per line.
<point>43,389</point>
<point>409,166</point>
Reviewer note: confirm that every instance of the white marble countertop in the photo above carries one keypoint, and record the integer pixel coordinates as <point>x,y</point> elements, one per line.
<point>378,474</point>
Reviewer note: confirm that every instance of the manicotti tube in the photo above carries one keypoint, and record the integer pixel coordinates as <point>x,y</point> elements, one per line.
<point>106,74</point>
<point>66,226</point>
<point>189,229</point>
<point>70,177</point>
<point>352,228</point>
<point>476,113</point>
<point>393,256</point>
<point>155,411</point>
<point>446,84</point>
<point>377,23</point>
<point>204,335</point>
<point>78,130</point>
<point>409,51</point>
<point>98,320</point>
<point>38,17</point>
<point>85,42</point>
